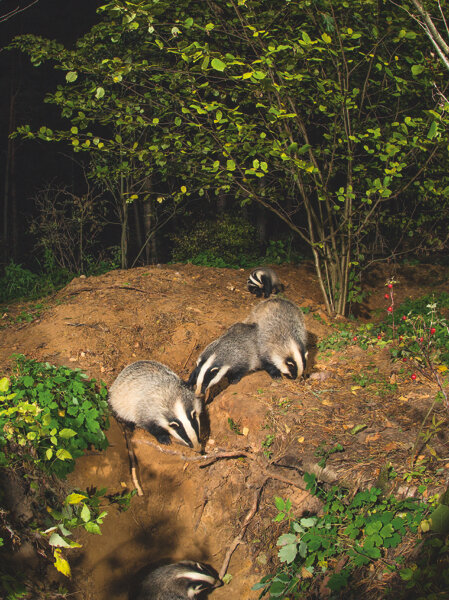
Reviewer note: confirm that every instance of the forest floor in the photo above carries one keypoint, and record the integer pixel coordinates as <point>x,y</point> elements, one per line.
<point>191,510</point>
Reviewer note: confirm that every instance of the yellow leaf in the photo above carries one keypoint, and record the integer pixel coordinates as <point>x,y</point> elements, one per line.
<point>305,574</point>
<point>425,525</point>
<point>4,384</point>
<point>75,498</point>
<point>301,439</point>
<point>356,387</point>
<point>441,368</point>
<point>61,564</point>
<point>327,403</point>
<point>245,431</point>
<point>183,189</point>
<point>403,399</point>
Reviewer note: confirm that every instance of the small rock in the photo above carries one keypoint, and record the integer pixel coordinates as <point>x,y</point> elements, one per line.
<point>320,376</point>
<point>82,277</point>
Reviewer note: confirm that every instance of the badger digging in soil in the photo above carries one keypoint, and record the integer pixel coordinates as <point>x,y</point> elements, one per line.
<point>264,280</point>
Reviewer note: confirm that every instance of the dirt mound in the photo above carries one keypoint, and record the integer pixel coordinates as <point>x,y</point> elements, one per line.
<point>192,510</point>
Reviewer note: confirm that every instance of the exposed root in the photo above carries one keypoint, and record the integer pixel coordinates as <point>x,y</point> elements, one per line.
<point>237,540</point>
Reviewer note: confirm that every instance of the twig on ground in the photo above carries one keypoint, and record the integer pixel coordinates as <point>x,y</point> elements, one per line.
<point>208,457</point>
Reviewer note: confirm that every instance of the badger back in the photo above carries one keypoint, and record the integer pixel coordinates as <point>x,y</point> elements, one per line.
<point>282,335</point>
<point>179,581</point>
<point>149,394</point>
<point>233,355</point>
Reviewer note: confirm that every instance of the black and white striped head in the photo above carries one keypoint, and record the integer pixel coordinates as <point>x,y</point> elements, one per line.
<point>208,372</point>
<point>182,421</point>
<point>291,362</point>
<point>264,280</point>
<point>186,580</point>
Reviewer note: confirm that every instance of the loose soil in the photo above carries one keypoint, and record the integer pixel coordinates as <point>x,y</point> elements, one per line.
<point>188,510</point>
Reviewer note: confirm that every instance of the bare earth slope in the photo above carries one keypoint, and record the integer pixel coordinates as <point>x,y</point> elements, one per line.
<point>170,314</point>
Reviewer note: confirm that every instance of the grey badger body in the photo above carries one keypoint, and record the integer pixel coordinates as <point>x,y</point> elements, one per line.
<point>233,355</point>
<point>179,581</point>
<point>264,280</point>
<point>150,395</point>
<point>281,337</point>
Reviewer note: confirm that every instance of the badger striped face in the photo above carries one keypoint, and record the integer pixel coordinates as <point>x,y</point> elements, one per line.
<point>207,374</point>
<point>184,425</point>
<point>294,364</point>
<point>199,579</point>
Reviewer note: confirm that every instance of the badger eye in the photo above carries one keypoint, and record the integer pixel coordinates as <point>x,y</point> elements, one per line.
<point>214,369</point>
<point>290,362</point>
<point>174,424</point>
<point>193,414</point>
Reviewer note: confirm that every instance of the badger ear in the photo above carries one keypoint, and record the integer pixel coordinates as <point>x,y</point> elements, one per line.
<point>193,377</point>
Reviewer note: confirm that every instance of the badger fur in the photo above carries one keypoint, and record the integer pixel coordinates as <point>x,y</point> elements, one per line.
<point>179,581</point>
<point>150,395</point>
<point>264,280</point>
<point>233,355</point>
<point>281,337</point>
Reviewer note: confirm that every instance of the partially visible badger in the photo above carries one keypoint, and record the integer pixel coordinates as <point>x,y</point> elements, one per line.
<point>281,337</point>
<point>180,581</point>
<point>233,355</point>
<point>150,395</point>
<point>264,280</point>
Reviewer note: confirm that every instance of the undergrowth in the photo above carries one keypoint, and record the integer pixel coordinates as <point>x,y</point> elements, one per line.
<point>331,551</point>
<point>48,416</point>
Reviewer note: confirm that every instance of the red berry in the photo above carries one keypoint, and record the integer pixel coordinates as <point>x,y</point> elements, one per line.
<point>355,338</point>
<point>400,338</point>
<point>404,318</point>
<point>421,339</point>
<point>404,359</point>
<point>390,309</point>
<point>379,337</point>
<point>413,376</point>
<point>390,285</point>
<point>387,296</point>
<point>432,330</point>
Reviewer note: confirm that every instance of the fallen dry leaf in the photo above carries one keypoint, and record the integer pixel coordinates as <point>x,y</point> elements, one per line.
<point>372,437</point>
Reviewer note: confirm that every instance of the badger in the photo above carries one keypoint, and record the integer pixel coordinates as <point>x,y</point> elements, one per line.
<point>150,395</point>
<point>233,355</point>
<point>264,280</point>
<point>179,581</point>
<point>281,337</point>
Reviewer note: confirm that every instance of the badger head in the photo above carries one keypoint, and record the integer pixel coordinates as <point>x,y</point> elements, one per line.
<point>293,363</point>
<point>182,421</point>
<point>196,578</point>
<point>207,373</point>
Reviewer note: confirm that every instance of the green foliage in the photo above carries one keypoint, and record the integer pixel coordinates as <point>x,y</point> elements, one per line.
<point>305,108</point>
<point>228,241</point>
<point>50,415</point>
<point>407,337</point>
<point>354,531</point>
<point>17,282</point>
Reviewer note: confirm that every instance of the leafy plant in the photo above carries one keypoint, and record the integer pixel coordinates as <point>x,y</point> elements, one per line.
<point>51,414</point>
<point>351,531</point>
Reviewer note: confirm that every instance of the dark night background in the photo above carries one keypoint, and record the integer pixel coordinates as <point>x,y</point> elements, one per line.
<point>22,90</point>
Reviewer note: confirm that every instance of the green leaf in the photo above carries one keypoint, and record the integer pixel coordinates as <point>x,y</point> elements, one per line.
<point>188,22</point>
<point>99,93</point>
<point>433,130</point>
<point>230,165</point>
<point>217,64</point>
<point>57,540</point>
<point>92,528</point>
<point>75,498</point>
<point>28,381</point>
<point>71,76</point>
<point>4,384</point>
<point>85,513</point>
<point>66,433</point>
<point>178,121</point>
<point>288,553</point>
<point>63,454</point>
<point>326,38</point>
<point>417,69</point>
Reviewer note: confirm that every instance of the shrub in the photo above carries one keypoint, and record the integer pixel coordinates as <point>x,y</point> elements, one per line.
<point>50,415</point>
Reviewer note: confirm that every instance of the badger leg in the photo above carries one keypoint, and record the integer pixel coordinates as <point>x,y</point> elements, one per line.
<point>161,434</point>
<point>271,369</point>
<point>236,375</point>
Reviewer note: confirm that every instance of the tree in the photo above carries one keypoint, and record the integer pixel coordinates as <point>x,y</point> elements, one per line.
<point>316,100</point>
